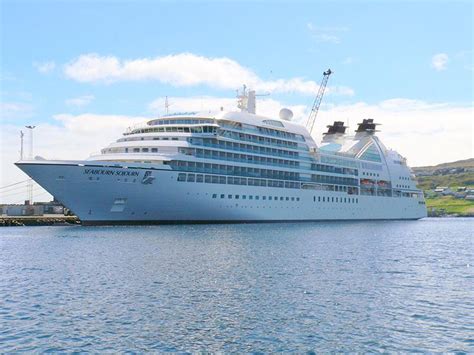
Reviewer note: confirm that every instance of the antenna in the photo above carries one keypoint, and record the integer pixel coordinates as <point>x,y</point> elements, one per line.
<point>167,105</point>
<point>30,157</point>
<point>242,99</point>
<point>317,101</point>
<point>246,100</point>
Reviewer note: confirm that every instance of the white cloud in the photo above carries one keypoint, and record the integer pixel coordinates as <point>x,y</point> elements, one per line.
<point>265,107</point>
<point>192,104</point>
<point>326,34</point>
<point>15,110</point>
<point>423,132</point>
<point>439,61</point>
<point>73,137</point>
<point>80,101</point>
<point>45,67</point>
<point>185,69</point>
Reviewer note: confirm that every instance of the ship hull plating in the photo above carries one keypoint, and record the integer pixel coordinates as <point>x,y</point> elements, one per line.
<point>102,194</point>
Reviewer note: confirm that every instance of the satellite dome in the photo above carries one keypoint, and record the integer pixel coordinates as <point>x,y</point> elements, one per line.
<point>286,114</point>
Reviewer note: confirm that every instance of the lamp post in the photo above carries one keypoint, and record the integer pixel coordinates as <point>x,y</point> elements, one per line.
<point>30,157</point>
<point>21,147</point>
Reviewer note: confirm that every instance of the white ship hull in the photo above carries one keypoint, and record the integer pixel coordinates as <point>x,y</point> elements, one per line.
<point>99,193</point>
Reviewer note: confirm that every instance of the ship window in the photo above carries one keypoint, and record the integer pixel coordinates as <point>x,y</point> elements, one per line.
<point>371,154</point>
<point>154,150</point>
<point>145,150</point>
<point>199,178</point>
<point>229,196</point>
<point>190,177</point>
<point>332,199</point>
<point>269,198</point>
<point>126,150</point>
<point>273,123</point>
<point>324,199</point>
<point>244,197</point>
<point>257,197</point>
<point>297,199</point>
<point>292,199</point>
<point>264,197</point>
<point>222,195</point>
<point>281,198</point>
<point>214,195</point>
<point>136,150</point>
<point>181,177</point>
<point>250,197</point>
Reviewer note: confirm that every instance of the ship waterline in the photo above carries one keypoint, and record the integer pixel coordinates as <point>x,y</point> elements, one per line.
<point>234,167</point>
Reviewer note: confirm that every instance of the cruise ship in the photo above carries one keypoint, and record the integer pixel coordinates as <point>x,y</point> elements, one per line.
<point>234,167</point>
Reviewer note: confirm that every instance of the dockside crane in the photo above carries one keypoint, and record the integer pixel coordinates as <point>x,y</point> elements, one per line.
<point>317,101</point>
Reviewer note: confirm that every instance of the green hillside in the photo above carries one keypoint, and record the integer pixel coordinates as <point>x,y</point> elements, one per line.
<point>451,180</point>
<point>430,177</point>
<point>467,163</point>
<point>448,205</point>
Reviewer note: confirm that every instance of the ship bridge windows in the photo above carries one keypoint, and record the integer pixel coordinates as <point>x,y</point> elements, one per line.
<point>180,121</point>
<point>176,129</point>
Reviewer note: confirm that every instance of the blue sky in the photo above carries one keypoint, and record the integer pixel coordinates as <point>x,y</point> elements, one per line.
<point>66,63</point>
<point>383,50</point>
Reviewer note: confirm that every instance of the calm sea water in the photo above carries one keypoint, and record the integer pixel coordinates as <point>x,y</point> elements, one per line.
<point>365,286</point>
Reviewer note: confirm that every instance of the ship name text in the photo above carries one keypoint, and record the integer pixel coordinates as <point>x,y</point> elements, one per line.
<point>110,172</point>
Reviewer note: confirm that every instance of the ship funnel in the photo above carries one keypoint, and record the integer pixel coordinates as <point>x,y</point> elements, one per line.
<point>367,126</point>
<point>336,127</point>
<point>335,132</point>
